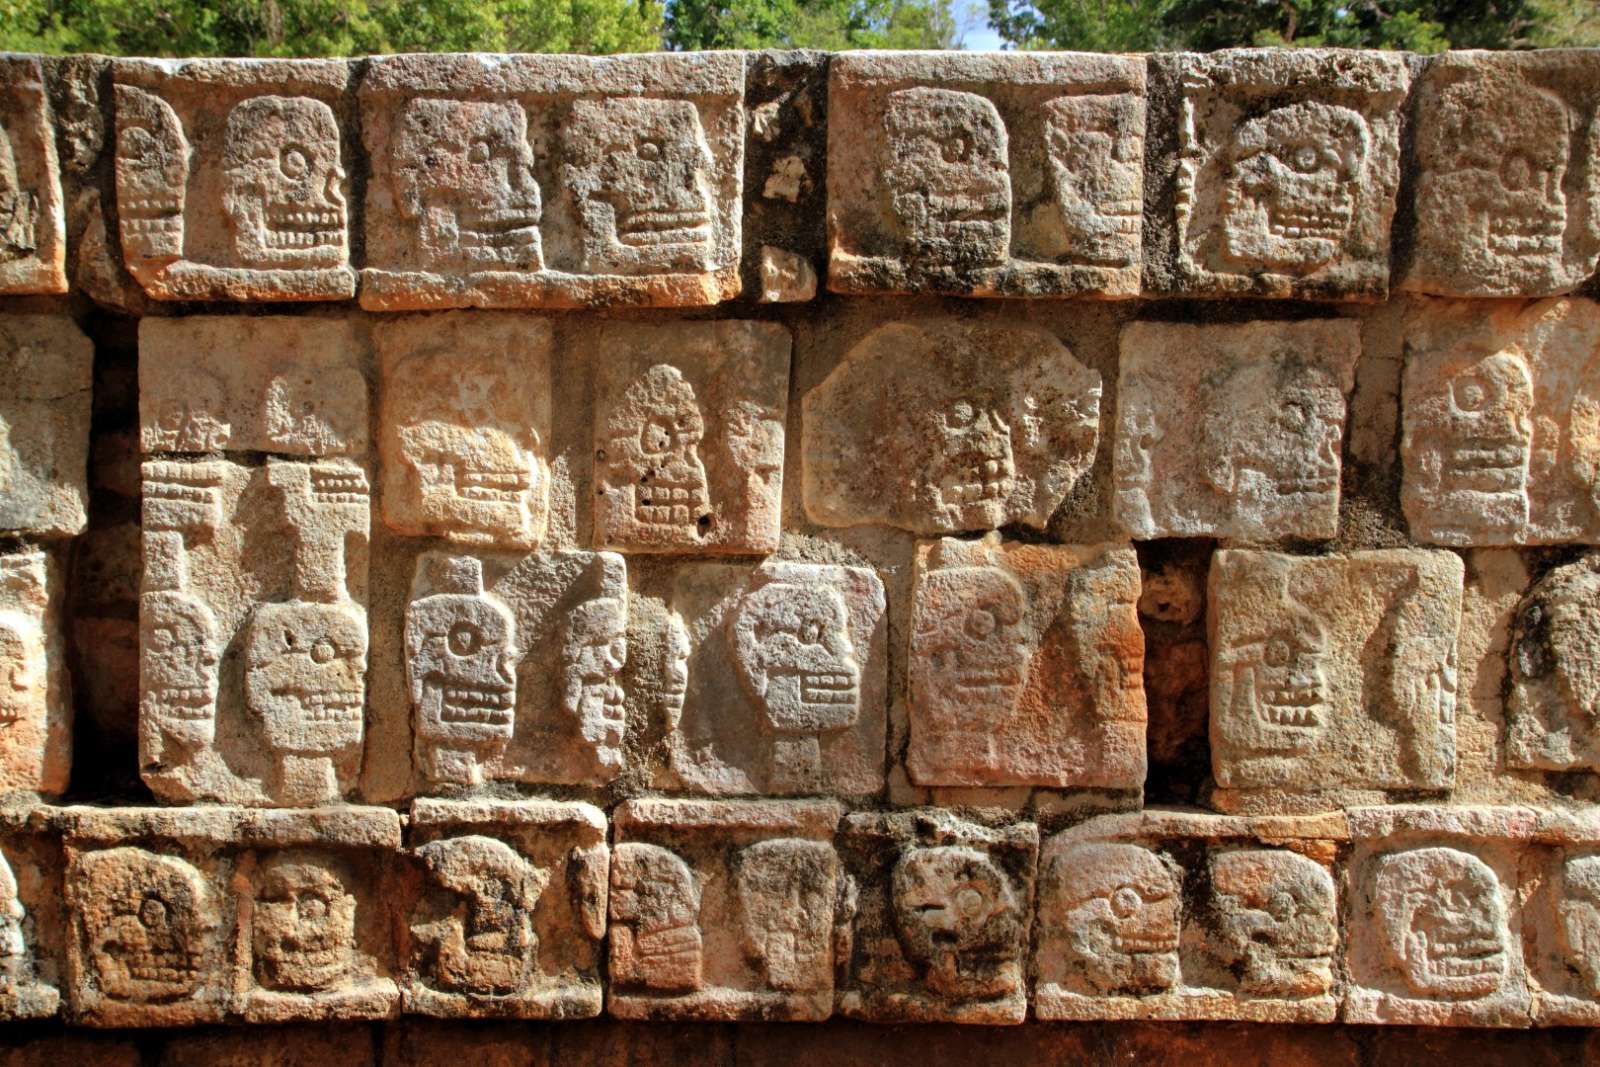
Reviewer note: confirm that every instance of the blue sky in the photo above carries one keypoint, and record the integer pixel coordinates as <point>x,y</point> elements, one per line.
<point>976,36</point>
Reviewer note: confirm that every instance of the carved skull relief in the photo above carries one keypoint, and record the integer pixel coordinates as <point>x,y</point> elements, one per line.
<point>179,651</point>
<point>1281,695</point>
<point>305,675</point>
<point>488,945</point>
<point>22,669</point>
<point>959,919</point>
<point>147,923</point>
<point>1275,922</point>
<point>463,174</point>
<point>653,448</point>
<point>1578,914</point>
<point>1443,922</point>
<point>152,169</point>
<point>284,192</point>
<point>1117,908</point>
<point>970,651</point>
<point>1272,434</point>
<point>786,894</point>
<point>19,207</point>
<point>795,658</point>
<point>1096,152</point>
<point>303,924</point>
<point>947,175</point>
<point>970,470</point>
<point>1555,667</point>
<point>655,911</point>
<point>16,968</point>
<point>594,649</point>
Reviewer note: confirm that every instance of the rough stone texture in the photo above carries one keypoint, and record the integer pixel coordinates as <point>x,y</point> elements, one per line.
<point>1554,673</point>
<point>33,239</point>
<point>35,690</point>
<point>46,364</point>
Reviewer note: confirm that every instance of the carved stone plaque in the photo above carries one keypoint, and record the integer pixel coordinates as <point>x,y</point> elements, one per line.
<point>33,239</point>
<point>46,364</point>
<point>35,693</point>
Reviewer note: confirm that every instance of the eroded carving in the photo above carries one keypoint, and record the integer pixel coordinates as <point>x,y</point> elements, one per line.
<point>148,925</point>
<point>1117,909</point>
<point>303,924</point>
<point>152,174</point>
<point>1578,920</point>
<point>947,175</point>
<point>786,889</point>
<point>652,456</point>
<point>1096,175</point>
<point>1555,673</point>
<point>487,945</point>
<point>594,649</point>
<point>960,920</point>
<point>1275,922</point>
<point>19,207</point>
<point>179,653</point>
<point>284,193</point>
<point>1443,922</point>
<point>1280,680</point>
<point>655,909</point>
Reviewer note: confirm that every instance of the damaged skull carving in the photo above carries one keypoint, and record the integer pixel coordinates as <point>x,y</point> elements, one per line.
<point>1115,908</point>
<point>179,652</point>
<point>1578,914</point>
<point>958,917</point>
<point>655,910</point>
<point>284,193</point>
<point>147,924</point>
<point>786,889</point>
<point>1554,710</point>
<point>488,945</point>
<point>303,924</point>
<point>594,649</point>
<point>1443,922</point>
<point>1275,922</point>
<point>652,455</point>
<point>152,175</point>
<point>947,175</point>
<point>1096,176</point>
<point>1280,693</point>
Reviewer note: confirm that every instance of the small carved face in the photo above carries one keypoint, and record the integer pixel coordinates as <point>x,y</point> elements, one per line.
<point>1557,639</point>
<point>22,669</point>
<point>795,657</point>
<point>785,890</point>
<point>1473,433</point>
<point>653,454</point>
<point>1275,920</point>
<point>178,656</point>
<point>191,420</point>
<point>302,412</point>
<point>1096,149</point>
<point>458,653</point>
<point>655,911</point>
<point>970,650</point>
<point>971,471</point>
<point>305,675</point>
<point>152,168</point>
<point>1273,435</point>
<point>1118,908</point>
<point>947,175</point>
<point>1281,694</point>
<point>285,185</point>
<point>1443,922</point>
<point>488,945</point>
<point>594,650</point>
<point>958,917</point>
<point>1579,915</point>
<point>303,925</point>
<point>146,921</point>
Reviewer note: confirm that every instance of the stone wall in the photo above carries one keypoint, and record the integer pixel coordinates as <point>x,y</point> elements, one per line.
<point>684,541</point>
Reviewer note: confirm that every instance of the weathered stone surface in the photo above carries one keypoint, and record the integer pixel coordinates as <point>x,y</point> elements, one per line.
<point>1559,892</point>
<point>1233,431</point>
<point>33,230</point>
<point>1506,194</point>
<point>1287,166</point>
<point>1502,422</point>
<point>1026,665</point>
<point>553,181</point>
<point>725,909</point>
<point>33,918</point>
<point>986,175</point>
<point>786,277</point>
<point>940,425</point>
<point>941,915</point>
<point>35,691</point>
<point>509,909</point>
<point>351,1046</point>
<point>688,436</point>
<point>46,364</point>
<point>1555,676</point>
<point>1332,676</point>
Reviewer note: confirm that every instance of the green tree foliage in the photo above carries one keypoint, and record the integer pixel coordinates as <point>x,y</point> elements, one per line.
<point>830,24</point>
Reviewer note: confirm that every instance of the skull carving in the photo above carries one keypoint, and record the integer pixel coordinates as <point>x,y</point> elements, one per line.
<point>15,966</point>
<point>22,669</point>
<point>19,207</point>
<point>653,458</point>
<point>147,924</point>
<point>152,169</point>
<point>641,172</point>
<point>1281,697</point>
<point>191,420</point>
<point>1096,176</point>
<point>1555,664</point>
<point>970,470</point>
<point>1116,907</point>
<point>655,910</point>
<point>303,924</point>
<point>947,175</point>
<point>786,891</point>
<point>959,920</point>
<point>1272,434</point>
<point>1443,922</point>
<point>178,655</point>
<point>795,657</point>
<point>284,192</point>
<point>1275,922</point>
<point>1578,912</point>
<point>463,172</point>
<point>675,671</point>
<point>1293,178</point>
<point>488,945</point>
<point>594,649</point>
<point>305,675</point>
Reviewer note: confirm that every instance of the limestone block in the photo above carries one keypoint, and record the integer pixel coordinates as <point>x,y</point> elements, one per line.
<point>1233,430</point>
<point>35,690</point>
<point>253,630</point>
<point>688,436</point>
<point>1501,412</point>
<point>942,908</point>
<point>508,909</point>
<point>33,917</point>
<point>231,178</point>
<point>940,425</point>
<point>1559,890</point>
<point>1555,676</point>
<point>46,364</point>
<point>33,228</point>
<point>1442,944</point>
<point>1332,676</point>
<point>1026,665</point>
<point>775,681</point>
<point>1287,166</point>
<point>464,427</point>
<point>1507,197</point>
<point>553,181</point>
<point>293,386</point>
<point>986,175</point>
<point>513,665</point>
<point>1178,915</point>
<point>724,910</point>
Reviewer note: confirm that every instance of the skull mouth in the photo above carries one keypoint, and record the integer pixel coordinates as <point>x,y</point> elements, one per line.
<point>1315,483</point>
<point>1524,233</point>
<point>492,486</point>
<point>825,689</point>
<point>989,680</point>
<point>338,486</point>
<point>1490,467</point>
<point>155,216</point>
<point>172,968</point>
<point>1316,219</point>
<point>670,504</point>
<point>956,210</point>
<point>1471,957</point>
<point>498,228</point>
<point>182,703</point>
<point>651,228</point>
<point>1146,944</point>
<point>323,706</point>
<point>298,230</point>
<point>310,967</point>
<point>180,483</point>
<point>979,481</point>
<point>469,705</point>
<point>1296,706</point>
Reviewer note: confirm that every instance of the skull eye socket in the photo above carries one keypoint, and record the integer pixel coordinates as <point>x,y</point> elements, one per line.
<point>981,622</point>
<point>140,143</point>
<point>163,638</point>
<point>464,639</point>
<point>650,150</point>
<point>969,902</point>
<point>1470,393</point>
<point>655,437</point>
<point>1305,158</point>
<point>312,907</point>
<point>1278,653</point>
<point>811,632</point>
<point>479,151</point>
<point>957,149</point>
<point>153,913</point>
<point>1294,415</point>
<point>323,651</point>
<point>294,161</point>
<point>1125,901</point>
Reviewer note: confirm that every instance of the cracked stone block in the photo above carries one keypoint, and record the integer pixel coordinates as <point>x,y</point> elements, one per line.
<point>1287,166</point>
<point>507,909</point>
<point>33,234</point>
<point>47,365</point>
<point>1332,676</point>
<point>1232,430</point>
<point>553,181</point>
<point>1555,675</point>
<point>986,175</point>
<point>724,910</point>
<point>1178,915</point>
<point>232,178</point>
<point>1026,665</point>
<point>941,912</point>
<point>464,427</point>
<point>688,436</point>
<point>1507,197</point>
<point>941,425</point>
<point>33,916</point>
<point>36,706</point>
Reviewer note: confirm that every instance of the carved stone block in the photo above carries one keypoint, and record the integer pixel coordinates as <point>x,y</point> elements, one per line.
<point>35,690</point>
<point>46,364</point>
<point>1026,665</point>
<point>231,178</point>
<point>1501,412</point>
<point>939,425</point>
<point>508,909</point>
<point>942,908</point>
<point>1442,940</point>
<point>724,910</point>
<point>1332,676</point>
<point>553,181</point>
<point>1559,890</point>
<point>33,916</point>
<point>33,236</point>
<point>688,436</point>
<point>775,679</point>
<point>986,175</point>
<point>1173,915</point>
<point>513,665</point>
<point>1286,172</point>
<point>464,427</point>
<point>1507,198</point>
<point>1555,675</point>
<point>1233,430</point>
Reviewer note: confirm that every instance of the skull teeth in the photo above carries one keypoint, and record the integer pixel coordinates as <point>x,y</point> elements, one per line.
<point>325,705</point>
<point>988,210</point>
<point>663,227</point>
<point>827,689</point>
<point>1293,707</point>
<point>492,486</point>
